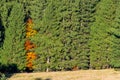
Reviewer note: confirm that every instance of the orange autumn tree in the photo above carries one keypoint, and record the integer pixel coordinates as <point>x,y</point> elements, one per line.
<point>29,45</point>
<point>31,56</point>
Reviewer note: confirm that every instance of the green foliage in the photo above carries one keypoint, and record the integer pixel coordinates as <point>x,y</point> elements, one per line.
<point>115,32</point>
<point>101,40</point>
<point>3,77</point>
<point>86,18</point>
<point>13,46</point>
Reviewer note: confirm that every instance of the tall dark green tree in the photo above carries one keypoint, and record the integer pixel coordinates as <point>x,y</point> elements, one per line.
<point>87,9</point>
<point>67,27</point>
<point>13,47</point>
<point>101,40</point>
<point>115,32</point>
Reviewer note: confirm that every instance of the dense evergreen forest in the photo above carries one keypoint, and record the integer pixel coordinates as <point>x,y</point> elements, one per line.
<point>57,35</point>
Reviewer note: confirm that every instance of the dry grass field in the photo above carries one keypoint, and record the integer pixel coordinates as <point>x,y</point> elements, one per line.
<point>108,74</point>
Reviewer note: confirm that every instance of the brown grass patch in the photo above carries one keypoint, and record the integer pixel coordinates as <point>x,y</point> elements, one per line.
<point>108,74</point>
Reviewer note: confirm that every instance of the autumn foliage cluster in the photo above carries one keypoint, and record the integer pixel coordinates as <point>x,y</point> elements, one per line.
<point>29,45</point>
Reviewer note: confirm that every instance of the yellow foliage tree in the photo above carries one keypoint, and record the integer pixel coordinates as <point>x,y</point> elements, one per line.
<point>31,56</point>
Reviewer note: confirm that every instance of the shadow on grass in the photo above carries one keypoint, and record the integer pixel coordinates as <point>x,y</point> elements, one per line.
<point>6,71</point>
<point>42,79</point>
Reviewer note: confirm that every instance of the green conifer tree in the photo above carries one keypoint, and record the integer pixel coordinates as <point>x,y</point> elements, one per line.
<point>86,15</point>
<point>115,32</point>
<point>13,48</point>
<point>100,43</point>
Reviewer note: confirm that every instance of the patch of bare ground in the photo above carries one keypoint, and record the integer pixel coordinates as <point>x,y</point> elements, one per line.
<point>108,74</point>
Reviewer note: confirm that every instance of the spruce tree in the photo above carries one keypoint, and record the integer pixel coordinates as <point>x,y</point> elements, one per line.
<point>65,27</point>
<point>115,32</point>
<point>13,48</point>
<point>86,14</point>
<point>101,40</point>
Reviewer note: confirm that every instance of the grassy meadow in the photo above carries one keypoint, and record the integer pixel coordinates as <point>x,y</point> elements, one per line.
<point>107,74</point>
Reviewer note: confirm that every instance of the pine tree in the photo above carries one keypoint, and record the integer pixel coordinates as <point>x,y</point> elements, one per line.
<point>13,48</point>
<point>48,44</point>
<point>115,32</point>
<point>65,28</point>
<point>87,9</point>
<point>100,43</point>
<point>64,16</point>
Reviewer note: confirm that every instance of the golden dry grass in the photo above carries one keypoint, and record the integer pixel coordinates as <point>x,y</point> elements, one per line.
<point>108,74</point>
